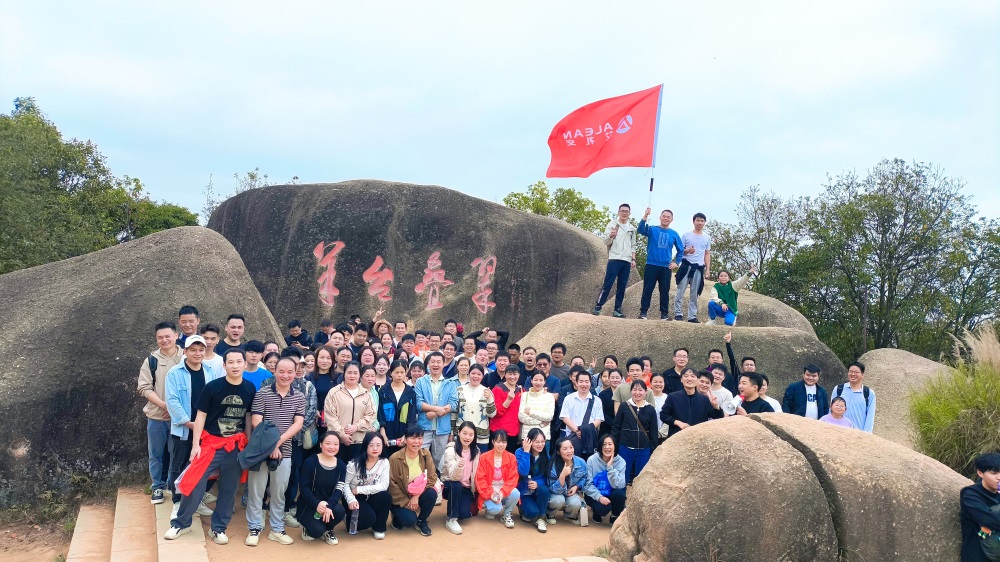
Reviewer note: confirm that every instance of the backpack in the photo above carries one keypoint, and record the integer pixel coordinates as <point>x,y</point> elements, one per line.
<point>839,389</point>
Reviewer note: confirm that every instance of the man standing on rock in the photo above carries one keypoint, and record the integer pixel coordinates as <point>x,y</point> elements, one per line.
<point>662,242</point>
<point>152,387</point>
<point>694,269</point>
<point>860,398</point>
<point>235,325</point>
<point>619,237</point>
<point>220,433</point>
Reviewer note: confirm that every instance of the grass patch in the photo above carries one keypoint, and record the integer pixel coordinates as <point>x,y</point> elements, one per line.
<point>602,552</point>
<point>957,415</point>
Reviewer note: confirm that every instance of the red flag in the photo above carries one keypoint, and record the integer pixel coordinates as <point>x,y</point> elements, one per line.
<point>611,133</point>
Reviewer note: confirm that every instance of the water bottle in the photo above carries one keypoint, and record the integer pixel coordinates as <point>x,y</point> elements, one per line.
<point>317,516</point>
<point>353,529</point>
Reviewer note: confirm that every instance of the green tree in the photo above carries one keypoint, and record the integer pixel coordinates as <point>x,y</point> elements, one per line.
<point>59,197</point>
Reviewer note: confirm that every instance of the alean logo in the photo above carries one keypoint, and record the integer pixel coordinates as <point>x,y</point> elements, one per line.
<point>588,133</point>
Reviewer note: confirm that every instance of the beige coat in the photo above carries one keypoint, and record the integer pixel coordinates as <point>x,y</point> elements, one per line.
<point>341,410</point>
<point>147,386</point>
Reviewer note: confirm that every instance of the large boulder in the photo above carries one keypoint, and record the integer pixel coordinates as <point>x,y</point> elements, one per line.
<point>893,374</point>
<point>780,352</point>
<point>291,237</point>
<point>75,333</point>
<point>755,309</point>
<point>725,490</point>
<point>798,489</point>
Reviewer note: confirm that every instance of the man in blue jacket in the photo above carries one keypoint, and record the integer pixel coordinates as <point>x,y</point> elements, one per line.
<point>662,241</point>
<point>806,397</point>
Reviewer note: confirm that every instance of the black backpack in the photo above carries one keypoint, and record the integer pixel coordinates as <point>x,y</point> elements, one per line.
<point>153,364</point>
<point>839,389</point>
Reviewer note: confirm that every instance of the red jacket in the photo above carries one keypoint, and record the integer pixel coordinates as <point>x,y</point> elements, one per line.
<point>484,475</point>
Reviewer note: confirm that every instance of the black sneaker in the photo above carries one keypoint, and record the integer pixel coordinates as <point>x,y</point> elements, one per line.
<point>678,317</point>
<point>664,317</point>
<point>156,497</point>
<point>694,321</point>
<point>642,316</point>
<point>394,526</point>
<point>424,529</point>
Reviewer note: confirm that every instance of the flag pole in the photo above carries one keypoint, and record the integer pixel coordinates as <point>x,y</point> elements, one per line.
<point>656,140</point>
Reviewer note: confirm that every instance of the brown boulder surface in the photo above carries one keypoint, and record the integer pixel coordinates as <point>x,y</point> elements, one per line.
<point>679,511</point>
<point>893,374</point>
<point>75,333</point>
<point>287,235</point>
<point>801,490</point>
<point>780,352</point>
<point>755,309</point>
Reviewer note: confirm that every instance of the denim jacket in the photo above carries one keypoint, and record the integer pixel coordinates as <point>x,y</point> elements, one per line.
<point>578,477</point>
<point>426,396</point>
<point>178,397</point>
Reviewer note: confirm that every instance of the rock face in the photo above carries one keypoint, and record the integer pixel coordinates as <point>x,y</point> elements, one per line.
<point>893,374</point>
<point>445,251</point>
<point>756,310</point>
<point>800,490</point>
<point>75,333</point>
<point>780,352</point>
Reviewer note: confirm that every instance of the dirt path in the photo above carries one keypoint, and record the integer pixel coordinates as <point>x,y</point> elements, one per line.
<point>32,543</point>
<point>481,540</point>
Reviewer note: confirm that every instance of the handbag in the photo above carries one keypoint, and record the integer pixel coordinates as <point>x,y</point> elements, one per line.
<point>576,441</point>
<point>309,437</point>
<point>418,484</point>
<point>602,483</point>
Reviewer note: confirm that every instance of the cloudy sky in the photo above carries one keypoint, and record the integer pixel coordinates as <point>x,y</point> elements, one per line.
<point>464,94</point>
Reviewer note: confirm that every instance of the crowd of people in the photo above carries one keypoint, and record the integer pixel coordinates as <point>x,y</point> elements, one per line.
<point>368,425</point>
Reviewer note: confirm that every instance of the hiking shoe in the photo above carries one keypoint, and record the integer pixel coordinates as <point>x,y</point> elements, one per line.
<point>508,521</point>
<point>291,521</point>
<point>678,317</point>
<point>710,322</point>
<point>694,320</point>
<point>253,538</point>
<point>540,525</point>
<point>209,497</point>
<point>618,314</point>
<point>282,537</point>
<point>220,537</point>
<point>305,535</point>
<point>174,532</point>
<point>329,537</point>
<point>204,510</point>
<point>156,497</point>
<point>597,311</point>
<point>378,535</point>
<point>424,529</point>
<point>642,317</point>
<point>453,526</point>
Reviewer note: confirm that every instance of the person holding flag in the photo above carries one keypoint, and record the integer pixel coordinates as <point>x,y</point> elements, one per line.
<point>619,237</point>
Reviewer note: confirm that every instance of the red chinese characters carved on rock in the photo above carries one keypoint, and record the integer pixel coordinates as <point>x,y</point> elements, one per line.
<point>328,292</point>
<point>433,281</point>
<point>378,281</point>
<point>487,267</point>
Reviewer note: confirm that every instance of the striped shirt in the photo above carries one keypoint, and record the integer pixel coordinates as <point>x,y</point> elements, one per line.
<point>279,410</point>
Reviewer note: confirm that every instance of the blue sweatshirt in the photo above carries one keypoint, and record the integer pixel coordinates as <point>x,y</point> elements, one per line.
<point>661,241</point>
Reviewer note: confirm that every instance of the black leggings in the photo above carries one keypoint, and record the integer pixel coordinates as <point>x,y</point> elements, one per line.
<point>316,527</point>
<point>373,511</point>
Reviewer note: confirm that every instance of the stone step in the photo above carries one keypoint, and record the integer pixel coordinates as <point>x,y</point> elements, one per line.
<point>189,547</point>
<point>92,534</point>
<point>134,537</point>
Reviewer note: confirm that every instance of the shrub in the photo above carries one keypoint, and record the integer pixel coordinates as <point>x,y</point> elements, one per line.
<point>957,415</point>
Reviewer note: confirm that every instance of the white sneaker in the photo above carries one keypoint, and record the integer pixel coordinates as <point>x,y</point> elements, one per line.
<point>508,521</point>
<point>540,525</point>
<point>378,536</point>
<point>204,510</point>
<point>330,538</point>
<point>253,538</point>
<point>281,537</point>
<point>710,322</point>
<point>453,526</point>
<point>290,521</point>
<point>220,537</point>
<point>305,536</point>
<point>438,500</point>
<point>174,532</point>
<point>176,509</point>
<point>209,497</point>
<point>490,516</point>
<point>550,519</point>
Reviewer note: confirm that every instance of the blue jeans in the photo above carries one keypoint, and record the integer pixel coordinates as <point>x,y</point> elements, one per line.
<point>506,504</point>
<point>715,309</point>
<point>616,270</point>
<point>635,461</point>
<point>535,502</point>
<point>157,437</point>
<point>459,500</point>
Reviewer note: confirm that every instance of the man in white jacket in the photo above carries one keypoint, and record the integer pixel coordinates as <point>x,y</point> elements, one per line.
<point>619,237</point>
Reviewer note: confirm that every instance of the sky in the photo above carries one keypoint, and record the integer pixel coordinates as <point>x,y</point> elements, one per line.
<point>464,94</point>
